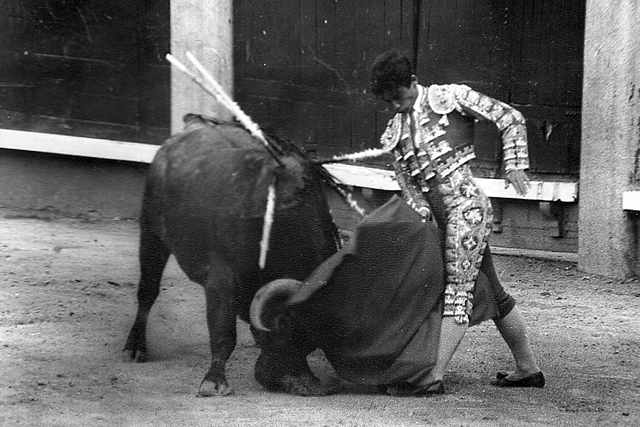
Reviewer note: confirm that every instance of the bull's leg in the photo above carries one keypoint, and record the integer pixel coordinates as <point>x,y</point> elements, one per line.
<point>221,320</point>
<point>153,256</point>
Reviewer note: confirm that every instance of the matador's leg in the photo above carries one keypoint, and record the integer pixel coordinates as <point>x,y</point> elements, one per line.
<point>467,230</point>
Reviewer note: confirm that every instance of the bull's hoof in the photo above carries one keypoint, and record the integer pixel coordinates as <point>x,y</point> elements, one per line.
<point>212,388</point>
<point>137,356</point>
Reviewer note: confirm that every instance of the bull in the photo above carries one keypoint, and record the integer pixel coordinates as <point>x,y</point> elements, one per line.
<point>204,202</point>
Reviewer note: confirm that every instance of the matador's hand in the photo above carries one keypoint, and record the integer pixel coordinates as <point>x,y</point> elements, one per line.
<point>519,180</point>
<point>425,213</point>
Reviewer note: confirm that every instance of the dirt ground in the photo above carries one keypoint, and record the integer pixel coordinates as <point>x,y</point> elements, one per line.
<point>67,301</point>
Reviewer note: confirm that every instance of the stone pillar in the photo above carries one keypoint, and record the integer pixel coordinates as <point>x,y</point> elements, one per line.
<point>203,28</point>
<point>610,156</point>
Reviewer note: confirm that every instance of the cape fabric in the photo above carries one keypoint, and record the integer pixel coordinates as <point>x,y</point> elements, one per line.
<point>378,318</point>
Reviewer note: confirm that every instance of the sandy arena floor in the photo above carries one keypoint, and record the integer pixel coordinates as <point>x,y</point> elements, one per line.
<point>67,301</point>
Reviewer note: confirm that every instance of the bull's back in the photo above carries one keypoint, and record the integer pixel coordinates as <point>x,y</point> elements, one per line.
<point>198,196</point>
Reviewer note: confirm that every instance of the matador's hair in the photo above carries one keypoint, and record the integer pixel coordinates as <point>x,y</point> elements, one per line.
<point>389,72</point>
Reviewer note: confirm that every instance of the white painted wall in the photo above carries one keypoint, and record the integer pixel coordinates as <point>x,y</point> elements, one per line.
<point>610,153</point>
<point>205,29</point>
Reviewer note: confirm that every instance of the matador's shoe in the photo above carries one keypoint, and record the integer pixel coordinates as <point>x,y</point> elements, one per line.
<point>533,380</point>
<point>406,389</point>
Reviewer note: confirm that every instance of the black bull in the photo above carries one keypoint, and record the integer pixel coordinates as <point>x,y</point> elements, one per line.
<point>204,202</point>
<point>378,317</point>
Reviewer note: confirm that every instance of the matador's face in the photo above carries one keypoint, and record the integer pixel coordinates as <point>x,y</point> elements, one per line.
<point>401,99</point>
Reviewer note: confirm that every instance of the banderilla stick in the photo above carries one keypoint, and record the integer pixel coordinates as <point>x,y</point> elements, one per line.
<point>214,89</point>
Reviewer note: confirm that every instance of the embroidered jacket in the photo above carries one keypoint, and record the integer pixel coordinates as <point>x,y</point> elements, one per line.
<point>443,118</point>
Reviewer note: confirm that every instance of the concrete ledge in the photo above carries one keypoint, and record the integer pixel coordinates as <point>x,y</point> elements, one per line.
<point>357,176</point>
<point>535,253</point>
<point>631,200</point>
<point>77,146</point>
<point>381,179</point>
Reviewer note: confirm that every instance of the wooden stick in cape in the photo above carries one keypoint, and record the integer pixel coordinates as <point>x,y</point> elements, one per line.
<point>366,154</point>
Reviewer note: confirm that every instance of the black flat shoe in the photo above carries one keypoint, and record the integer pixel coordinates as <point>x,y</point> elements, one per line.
<point>430,390</point>
<point>534,380</point>
<point>406,389</point>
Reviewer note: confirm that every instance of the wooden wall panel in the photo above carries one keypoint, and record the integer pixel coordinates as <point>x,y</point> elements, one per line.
<point>347,58</point>
<point>311,59</point>
<point>464,41</point>
<point>527,53</point>
<point>549,71</point>
<point>87,63</point>
<point>308,33</point>
<point>369,41</point>
<point>326,41</point>
<point>330,46</point>
<point>547,81</point>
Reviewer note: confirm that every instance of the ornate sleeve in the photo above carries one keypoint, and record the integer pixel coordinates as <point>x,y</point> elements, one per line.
<point>509,121</point>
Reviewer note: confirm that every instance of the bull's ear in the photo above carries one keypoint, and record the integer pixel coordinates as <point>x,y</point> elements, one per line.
<point>191,117</point>
<point>193,121</point>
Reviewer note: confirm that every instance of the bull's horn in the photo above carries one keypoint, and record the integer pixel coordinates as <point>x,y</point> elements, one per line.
<point>270,302</point>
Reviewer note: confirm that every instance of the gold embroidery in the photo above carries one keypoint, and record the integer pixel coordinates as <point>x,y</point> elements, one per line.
<point>442,99</point>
